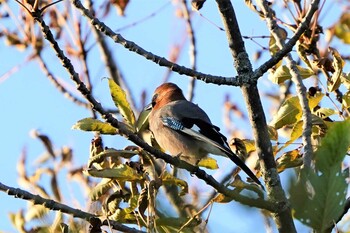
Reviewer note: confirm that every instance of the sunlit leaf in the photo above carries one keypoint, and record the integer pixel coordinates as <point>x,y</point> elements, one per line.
<point>36,212</point>
<point>289,113</point>
<point>289,159</point>
<point>168,179</point>
<point>338,64</point>
<point>282,74</point>
<point>318,198</point>
<point>110,152</point>
<point>346,100</point>
<point>120,100</point>
<point>100,189</point>
<point>122,173</point>
<point>315,99</point>
<point>209,163</point>
<point>342,28</point>
<point>249,145</point>
<point>91,124</point>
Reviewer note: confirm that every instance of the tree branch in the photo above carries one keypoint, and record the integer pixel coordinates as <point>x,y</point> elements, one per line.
<point>53,205</point>
<point>283,217</point>
<point>297,79</point>
<point>131,46</point>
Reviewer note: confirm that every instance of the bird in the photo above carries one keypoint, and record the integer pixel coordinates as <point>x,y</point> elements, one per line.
<point>183,129</point>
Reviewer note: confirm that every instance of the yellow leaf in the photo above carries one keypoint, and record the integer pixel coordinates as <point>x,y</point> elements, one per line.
<point>120,100</point>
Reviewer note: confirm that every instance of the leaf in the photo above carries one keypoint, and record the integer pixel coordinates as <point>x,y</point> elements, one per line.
<point>97,191</point>
<point>120,100</point>
<point>91,124</point>
<point>110,152</point>
<point>197,4</point>
<point>142,121</point>
<point>325,112</point>
<point>36,212</point>
<point>288,160</point>
<point>318,197</point>
<point>282,74</point>
<point>338,64</point>
<point>315,99</point>
<point>334,146</point>
<point>121,5</point>
<point>342,28</point>
<point>249,145</point>
<point>122,173</point>
<point>346,100</point>
<point>272,133</point>
<point>302,53</point>
<point>289,113</point>
<point>168,179</point>
<point>209,163</point>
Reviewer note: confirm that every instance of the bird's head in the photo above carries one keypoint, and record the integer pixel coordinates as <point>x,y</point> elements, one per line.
<point>166,93</point>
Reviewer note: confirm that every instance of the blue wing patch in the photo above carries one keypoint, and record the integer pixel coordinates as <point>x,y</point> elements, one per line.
<point>172,123</point>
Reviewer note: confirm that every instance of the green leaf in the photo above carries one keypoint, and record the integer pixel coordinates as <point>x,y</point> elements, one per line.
<point>315,100</point>
<point>36,212</point>
<point>91,124</point>
<point>318,197</point>
<point>168,179</point>
<point>289,113</point>
<point>282,74</point>
<point>122,173</point>
<point>334,146</point>
<point>209,163</point>
<point>120,100</point>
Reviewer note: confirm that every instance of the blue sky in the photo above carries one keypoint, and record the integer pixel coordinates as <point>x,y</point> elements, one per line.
<point>29,101</point>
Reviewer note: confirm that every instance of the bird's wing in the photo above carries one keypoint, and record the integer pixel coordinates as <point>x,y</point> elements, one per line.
<point>208,133</point>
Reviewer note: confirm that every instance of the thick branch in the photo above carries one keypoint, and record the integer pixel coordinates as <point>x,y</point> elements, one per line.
<point>53,205</point>
<point>251,95</point>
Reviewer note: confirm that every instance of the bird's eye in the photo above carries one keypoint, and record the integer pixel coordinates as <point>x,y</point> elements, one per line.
<point>154,99</point>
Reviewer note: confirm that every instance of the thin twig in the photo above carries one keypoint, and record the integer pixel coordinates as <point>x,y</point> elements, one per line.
<point>133,47</point>
<point>192,48</point>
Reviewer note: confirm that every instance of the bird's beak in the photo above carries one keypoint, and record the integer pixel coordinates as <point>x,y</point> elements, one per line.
<point>148,107</point>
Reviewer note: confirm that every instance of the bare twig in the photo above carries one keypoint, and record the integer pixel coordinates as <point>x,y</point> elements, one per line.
<point>117,38</point>
<point>193,51</point>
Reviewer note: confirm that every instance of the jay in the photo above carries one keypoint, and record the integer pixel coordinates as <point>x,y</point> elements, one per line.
<point>183,128</point>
